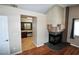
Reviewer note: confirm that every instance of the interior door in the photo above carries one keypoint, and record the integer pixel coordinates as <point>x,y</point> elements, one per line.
<point>4,38</point>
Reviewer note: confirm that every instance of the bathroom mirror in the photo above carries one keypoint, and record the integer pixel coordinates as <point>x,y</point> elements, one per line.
<point>26,25</point>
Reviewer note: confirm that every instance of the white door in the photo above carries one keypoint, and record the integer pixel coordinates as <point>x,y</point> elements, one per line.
<point>4,39</point>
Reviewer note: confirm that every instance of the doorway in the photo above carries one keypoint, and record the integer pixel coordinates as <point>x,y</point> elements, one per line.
<point>27,32</point>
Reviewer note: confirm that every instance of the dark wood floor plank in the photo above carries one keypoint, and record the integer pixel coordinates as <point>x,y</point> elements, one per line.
<point>44,50</point>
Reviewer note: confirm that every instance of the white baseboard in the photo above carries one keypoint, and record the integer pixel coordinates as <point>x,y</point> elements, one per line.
<point>21,51</point>
<point>34,43</point>
<point>37,45</point>
<point>16,53</point>
<point>40,45</point>
<point>74,45</point>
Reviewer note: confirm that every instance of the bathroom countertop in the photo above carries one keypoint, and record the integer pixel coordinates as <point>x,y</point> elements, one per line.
<point>26,30</point>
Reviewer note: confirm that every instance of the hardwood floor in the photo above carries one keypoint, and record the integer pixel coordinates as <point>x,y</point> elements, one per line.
<point>44,50</point>
<point>27,44</point>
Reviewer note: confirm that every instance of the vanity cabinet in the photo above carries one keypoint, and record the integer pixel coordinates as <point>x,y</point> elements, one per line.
<point>23,34</point>
<point>26,33</point>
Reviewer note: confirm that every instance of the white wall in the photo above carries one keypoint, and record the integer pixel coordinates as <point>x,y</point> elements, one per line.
<point>56,15</point>
<point>42,28</point>
<point>15,26</point>
<point>26,20</point>
<point>73,13</point>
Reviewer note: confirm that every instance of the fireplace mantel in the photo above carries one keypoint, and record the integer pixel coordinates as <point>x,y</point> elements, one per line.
<point>55,29</point>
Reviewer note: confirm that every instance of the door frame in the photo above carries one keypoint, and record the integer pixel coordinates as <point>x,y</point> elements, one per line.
<point>34,19</point>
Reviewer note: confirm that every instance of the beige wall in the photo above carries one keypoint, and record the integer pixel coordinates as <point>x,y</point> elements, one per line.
<point>56,15</point>
<point>15,27</point>
<point>73,13</point>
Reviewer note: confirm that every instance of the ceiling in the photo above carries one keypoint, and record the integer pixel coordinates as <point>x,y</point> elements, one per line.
<point>41,8</point>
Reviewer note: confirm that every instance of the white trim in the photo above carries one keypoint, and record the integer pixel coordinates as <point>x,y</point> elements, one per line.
<point>40,45</point>
<point>16,53</point>
<point>21,51</point>
<point>37,45</point>
<point>34,43</point>
<point>74,45</point>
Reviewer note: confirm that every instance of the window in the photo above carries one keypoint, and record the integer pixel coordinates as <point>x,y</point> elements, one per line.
<point>76,27</point>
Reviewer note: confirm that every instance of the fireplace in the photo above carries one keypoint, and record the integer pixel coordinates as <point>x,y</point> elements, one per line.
<point>55,37</point>
<point>55,33</point>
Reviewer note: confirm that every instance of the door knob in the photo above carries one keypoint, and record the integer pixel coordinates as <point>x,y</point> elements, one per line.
<point>6,40</point>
